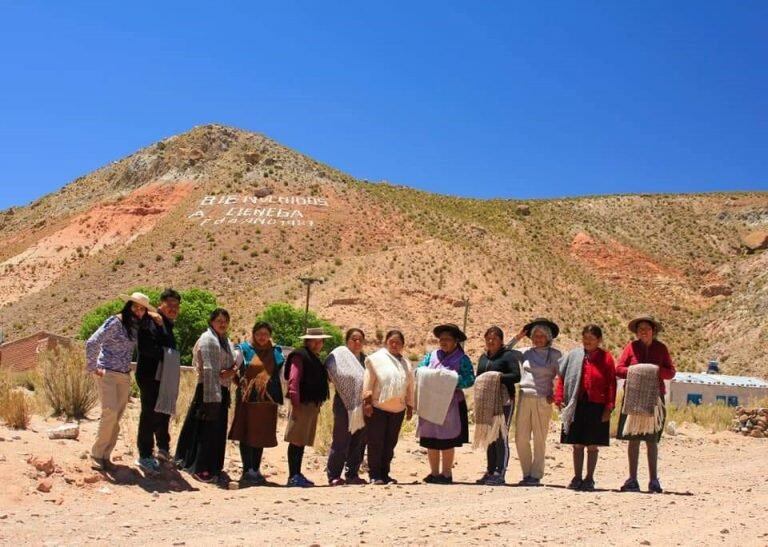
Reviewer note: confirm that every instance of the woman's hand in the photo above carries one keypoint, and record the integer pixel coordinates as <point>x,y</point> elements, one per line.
<point>227,373</point>
<point>99,372</point>
<point>607,415</point>
<point>408,412</point>
<point>156,317</point>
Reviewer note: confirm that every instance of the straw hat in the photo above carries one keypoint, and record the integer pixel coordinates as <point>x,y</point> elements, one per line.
<point>657,326</point>
<point>139,298</point>
<point>315,333</point>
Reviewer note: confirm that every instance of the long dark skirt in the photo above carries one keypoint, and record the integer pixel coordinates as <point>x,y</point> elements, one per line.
<point>588,427</point>
<point>445,444</point>
<point>202,443</point>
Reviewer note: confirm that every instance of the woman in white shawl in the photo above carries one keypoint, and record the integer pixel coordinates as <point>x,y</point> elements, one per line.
<point>388,389</point>
<point>346,367</point>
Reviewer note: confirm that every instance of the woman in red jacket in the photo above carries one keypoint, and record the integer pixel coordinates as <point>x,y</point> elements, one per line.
<point>646,349</point>
<point>586,395</point>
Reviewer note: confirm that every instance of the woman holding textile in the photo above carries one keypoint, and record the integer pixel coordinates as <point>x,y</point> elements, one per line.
<point>387,399</point>
<point>646,350</point>
<point>441,439</point>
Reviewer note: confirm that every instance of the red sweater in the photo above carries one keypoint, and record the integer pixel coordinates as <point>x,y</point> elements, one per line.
<point>656,354</point>
<point>598,380</point>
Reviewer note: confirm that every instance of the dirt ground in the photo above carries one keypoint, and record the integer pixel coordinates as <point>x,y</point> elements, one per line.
<point>716,493</point>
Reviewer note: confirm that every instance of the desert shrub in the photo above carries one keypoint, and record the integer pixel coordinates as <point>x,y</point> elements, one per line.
<point>187,386</point>
<point>287,324</point>
<point>15,404</point>
<point>68,388</point>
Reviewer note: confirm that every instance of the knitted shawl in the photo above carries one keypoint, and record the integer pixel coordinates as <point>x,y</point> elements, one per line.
<point>346,373</point>
<point>489,409</point>
<point>434,391</point>
<point>642,400</point>
<point>210,356</point>
<point>571,367</point>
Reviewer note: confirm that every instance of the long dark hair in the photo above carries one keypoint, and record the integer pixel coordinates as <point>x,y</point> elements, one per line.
<point>130,322</point>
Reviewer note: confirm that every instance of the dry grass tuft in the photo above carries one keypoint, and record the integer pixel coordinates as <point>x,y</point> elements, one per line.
<point>68,388</point>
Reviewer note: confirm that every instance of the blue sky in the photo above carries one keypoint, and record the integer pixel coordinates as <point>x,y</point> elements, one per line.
<point>510,99</point>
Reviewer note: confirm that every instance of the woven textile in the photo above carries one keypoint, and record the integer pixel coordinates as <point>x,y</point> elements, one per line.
<point>642,400</point>
<point>489,410</point>
<point>435,388</point>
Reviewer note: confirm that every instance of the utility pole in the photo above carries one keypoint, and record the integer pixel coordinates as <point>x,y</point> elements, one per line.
<point>308,281</point>
<point>466,311</point>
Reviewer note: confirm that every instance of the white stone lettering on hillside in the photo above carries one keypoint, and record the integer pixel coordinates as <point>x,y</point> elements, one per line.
<point>272,210</point>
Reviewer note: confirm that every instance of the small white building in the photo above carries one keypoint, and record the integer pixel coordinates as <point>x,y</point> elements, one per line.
<point>699,388</point>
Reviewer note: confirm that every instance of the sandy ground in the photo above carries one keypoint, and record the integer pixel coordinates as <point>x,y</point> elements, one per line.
<point>716,493</point>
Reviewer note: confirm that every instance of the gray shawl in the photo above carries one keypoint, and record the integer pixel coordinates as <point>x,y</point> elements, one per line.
<point>210,356</point>
<point>571,366</point>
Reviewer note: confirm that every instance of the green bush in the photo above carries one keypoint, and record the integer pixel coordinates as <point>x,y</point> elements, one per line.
<point>196,306</point>
<point>287,324</point>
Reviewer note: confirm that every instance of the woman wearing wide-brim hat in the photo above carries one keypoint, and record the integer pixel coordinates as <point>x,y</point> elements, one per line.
<point>645,349</point>
<point>109,352</point>
<point>441,440</point>
<point>539,369</point>
<point>308,390</point>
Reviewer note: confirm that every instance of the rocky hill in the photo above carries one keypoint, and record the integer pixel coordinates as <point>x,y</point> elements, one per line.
<point>240,215</point>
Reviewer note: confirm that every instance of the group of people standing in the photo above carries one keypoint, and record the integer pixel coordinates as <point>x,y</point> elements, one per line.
<point>374,394</point>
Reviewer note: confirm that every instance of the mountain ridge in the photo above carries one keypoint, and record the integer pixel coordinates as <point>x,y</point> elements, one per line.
<point>391,255</point>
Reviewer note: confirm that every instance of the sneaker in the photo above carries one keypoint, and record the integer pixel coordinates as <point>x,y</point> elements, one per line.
<point>575,484</point>
<point>254,477</point>
<point>533,481</point>
<point>587,485</point>
<point>300,481</point>
<point>163,455</point>
<point>432,479</point>
<point>654,487</point>
<point>484,478</point>
<point>356,481</point>
<point>630,485</point>
<point>390,480</point>
<point>337,482</point>
<point>495,480</point>
<point>148,465</point>
<point>205,476</point>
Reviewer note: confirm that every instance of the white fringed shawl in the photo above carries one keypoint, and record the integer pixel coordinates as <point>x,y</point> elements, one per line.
<point>390,375</point>
<point>434,391</point>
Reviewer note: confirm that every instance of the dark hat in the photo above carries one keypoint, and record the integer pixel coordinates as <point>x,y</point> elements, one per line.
<point>657,326</point>
<point>452,329</point>
<point>542,321</point>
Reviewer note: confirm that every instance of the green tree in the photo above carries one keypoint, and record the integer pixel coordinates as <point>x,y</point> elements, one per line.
<point>287,324</point>
<point>196,307</point>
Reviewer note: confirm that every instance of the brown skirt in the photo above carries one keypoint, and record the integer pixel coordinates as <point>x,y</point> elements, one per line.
<point>255,424</point>
<point>301,430</point>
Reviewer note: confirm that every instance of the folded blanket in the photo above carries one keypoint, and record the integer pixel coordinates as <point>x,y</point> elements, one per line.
<point>346,373</point>
<point>643,404</point>
<point>489,409</point>
<point>390,374</point>
<point>434,391</point>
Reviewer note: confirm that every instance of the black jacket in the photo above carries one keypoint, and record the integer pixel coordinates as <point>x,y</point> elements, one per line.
<point>508,362</point>
<point>152,339</point>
